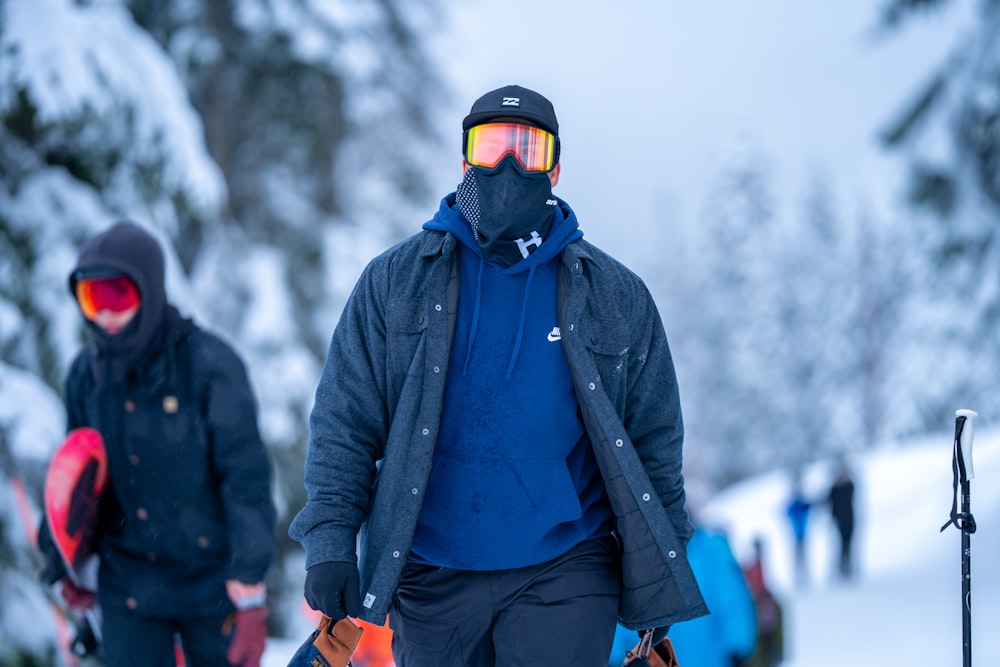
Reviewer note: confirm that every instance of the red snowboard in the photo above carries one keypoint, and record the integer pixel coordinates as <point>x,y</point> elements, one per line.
<point>76,478</point>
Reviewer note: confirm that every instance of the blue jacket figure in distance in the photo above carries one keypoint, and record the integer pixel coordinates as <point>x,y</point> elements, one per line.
<point>798,518</point>
<point>727,636</point>
<point>496,442</point>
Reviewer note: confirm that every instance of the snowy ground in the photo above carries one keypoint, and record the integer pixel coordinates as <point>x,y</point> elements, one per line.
<point>280,651</point>
<point>904,608</point>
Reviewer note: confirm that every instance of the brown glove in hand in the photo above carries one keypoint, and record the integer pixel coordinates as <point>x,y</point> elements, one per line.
<point>249,637</point>
<point>336,641</point>
<point>77,599</point>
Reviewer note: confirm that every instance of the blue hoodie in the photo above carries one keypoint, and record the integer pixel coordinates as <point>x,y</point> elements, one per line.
<point>514,481</point>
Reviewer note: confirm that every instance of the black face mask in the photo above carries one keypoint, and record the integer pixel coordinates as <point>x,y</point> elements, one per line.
<point>510,211</point>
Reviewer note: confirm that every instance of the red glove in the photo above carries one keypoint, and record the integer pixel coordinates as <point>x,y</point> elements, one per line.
<point>246,646</point>
<point>78,599</point>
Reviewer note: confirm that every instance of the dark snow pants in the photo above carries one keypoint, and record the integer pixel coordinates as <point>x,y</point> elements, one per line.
<point>561,612</point>
<point>130,639</point>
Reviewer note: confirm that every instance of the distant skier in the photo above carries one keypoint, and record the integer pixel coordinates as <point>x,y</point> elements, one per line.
<point>770,649</point>
<point>841,501</point>
<point>798,515</point>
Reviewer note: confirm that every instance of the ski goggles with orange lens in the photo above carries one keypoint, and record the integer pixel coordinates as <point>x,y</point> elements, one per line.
<point>114,293</point>
<point>534,148</point>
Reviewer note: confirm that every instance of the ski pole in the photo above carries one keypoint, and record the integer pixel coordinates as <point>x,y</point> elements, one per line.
<point>961,466</point>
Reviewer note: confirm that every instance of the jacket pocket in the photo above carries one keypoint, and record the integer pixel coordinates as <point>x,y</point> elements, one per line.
<point>611,358</point>
<point>405,328</point>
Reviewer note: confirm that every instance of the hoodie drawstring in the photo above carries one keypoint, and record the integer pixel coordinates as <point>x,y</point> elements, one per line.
<point>520,326</point>
<point>475,314</point>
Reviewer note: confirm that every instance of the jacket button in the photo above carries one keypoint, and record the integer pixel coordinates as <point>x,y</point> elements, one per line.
<point>131,602</point>
<point>426,431</point>
<point>420,320</point>
<point>645,497</point>
<point>170,404</point>
<point>593,340</point>
<point>672,553</point>
<point>619,442</point>
<point>202,541</point>
<point>437,307</point>
<point>414,491</point>
<point>129,406</point>
<point>592,386</point>
<point>395,554</point>
<point>437,369</point>
<point>142,513</point>
<point>133,459</point>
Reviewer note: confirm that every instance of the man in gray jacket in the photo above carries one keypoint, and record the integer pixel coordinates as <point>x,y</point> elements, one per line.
<point>495,454</point>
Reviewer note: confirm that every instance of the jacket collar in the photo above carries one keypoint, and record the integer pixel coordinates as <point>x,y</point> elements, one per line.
<point>436,243</point>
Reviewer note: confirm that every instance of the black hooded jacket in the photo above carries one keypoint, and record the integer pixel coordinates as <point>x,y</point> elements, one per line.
<point>188,505</point>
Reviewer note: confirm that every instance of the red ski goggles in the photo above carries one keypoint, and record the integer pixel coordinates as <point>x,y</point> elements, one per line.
<point>534,148</point>
<point>114,293</point>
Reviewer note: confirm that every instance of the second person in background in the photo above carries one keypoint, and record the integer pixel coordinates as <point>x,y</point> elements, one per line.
<point>186,529</point>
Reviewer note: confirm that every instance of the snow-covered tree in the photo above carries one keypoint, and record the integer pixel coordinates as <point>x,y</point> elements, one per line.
<point>770,349</point>
<point>726,370</point>
<point>272,147</point>
<point>949,136</point>
<point>814,288</point>
<point>96,126</point>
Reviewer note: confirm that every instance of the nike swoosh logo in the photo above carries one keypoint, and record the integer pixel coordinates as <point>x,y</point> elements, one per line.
<point>554,335</point>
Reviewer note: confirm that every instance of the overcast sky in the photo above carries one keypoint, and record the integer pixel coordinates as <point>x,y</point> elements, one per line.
<point>649,94</point>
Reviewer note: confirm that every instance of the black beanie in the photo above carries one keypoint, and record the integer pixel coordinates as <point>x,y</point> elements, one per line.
<point>515,102</point>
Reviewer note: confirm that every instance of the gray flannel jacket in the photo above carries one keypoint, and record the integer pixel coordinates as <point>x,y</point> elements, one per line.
<point>378,404</point>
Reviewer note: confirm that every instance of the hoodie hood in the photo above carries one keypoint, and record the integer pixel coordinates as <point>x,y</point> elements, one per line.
<point>128,249</point>
<point>564,230</point>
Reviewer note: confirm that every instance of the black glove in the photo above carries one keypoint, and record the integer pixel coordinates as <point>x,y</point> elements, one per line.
<point>334,589</point>
<point>658,634</point>
<point>737,660</point>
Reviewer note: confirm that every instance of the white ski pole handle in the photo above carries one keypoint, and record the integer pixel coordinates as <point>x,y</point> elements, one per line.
<point>965,439</point>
